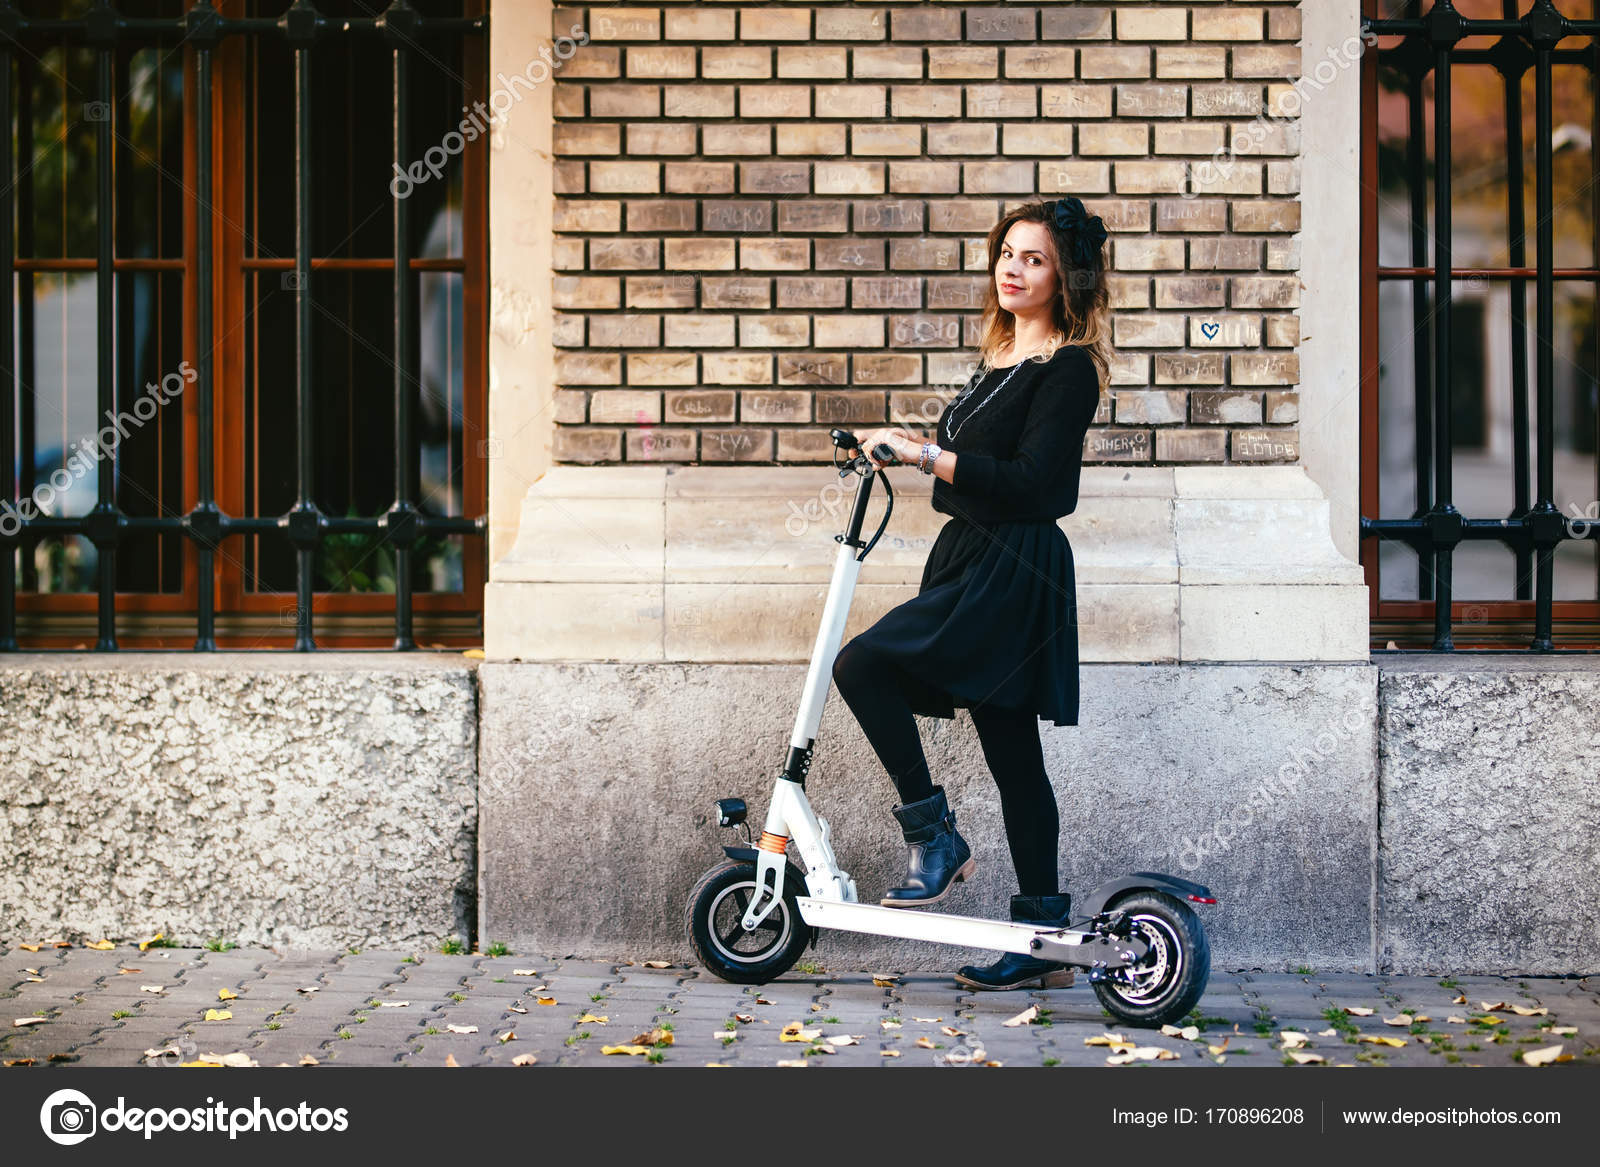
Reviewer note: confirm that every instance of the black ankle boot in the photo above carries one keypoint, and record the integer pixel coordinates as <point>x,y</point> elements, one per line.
<point>939,856</point>
<point>1013,970</point>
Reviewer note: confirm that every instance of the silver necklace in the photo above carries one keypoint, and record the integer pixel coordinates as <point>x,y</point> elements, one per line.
<point>953,430</point>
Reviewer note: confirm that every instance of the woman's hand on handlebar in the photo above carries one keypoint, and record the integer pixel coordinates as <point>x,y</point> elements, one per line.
<point>906,447</point>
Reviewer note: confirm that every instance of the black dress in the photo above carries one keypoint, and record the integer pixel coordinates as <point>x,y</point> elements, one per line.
<point>994,621</point>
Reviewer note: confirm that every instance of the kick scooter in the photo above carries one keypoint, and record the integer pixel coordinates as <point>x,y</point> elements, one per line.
<point>751,917</point>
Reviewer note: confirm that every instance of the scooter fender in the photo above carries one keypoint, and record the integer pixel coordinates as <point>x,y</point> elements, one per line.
<point>1181,889</point>
<point>790,872</point>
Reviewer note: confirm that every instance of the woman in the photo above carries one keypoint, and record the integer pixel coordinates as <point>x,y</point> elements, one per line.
<point>993,628</point>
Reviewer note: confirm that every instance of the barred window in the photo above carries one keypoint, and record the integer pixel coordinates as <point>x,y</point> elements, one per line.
<point>230,425</point>
<point>1480,485</point>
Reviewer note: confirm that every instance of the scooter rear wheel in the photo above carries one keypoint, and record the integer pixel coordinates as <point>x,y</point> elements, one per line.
<point>1162,988</point>
<point>718,902</point>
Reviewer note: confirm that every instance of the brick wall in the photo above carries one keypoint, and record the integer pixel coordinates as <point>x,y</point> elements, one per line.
<point>770,221</point>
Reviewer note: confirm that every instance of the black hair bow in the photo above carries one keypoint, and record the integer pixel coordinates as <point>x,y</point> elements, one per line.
<point>1088,231</point>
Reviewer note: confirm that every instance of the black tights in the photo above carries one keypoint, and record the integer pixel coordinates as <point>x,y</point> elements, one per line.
<point>877,691</point>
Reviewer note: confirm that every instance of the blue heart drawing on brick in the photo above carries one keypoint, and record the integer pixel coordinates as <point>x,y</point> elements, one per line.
<point>1210,328</point>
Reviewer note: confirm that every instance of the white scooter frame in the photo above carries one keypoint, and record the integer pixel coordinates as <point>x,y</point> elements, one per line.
<point>1103,939</point>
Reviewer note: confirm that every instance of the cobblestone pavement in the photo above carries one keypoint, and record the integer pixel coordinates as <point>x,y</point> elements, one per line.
<point>404,1008</point>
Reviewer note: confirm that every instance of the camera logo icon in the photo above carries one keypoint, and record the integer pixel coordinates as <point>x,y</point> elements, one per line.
<point>68,1117</point>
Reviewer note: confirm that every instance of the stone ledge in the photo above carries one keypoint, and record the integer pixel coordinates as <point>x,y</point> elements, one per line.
<point>653,563</point>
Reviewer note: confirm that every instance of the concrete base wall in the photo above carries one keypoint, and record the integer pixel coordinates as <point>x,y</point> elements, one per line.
<point>1260,781</point>
<point>260,799</point>
<point>1432,815</point>
<point>1489,819</point>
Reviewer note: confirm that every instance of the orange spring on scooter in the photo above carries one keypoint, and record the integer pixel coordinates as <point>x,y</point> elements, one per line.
<point>774,843</point>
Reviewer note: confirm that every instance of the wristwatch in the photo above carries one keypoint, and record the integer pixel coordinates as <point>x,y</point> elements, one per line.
<point>930,455</point>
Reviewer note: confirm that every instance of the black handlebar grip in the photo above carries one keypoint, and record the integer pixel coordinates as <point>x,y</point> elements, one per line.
<point>884,452</point>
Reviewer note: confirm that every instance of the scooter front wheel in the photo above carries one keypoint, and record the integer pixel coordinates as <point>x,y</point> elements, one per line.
<point>718,903</point>
<point>1168,982</point>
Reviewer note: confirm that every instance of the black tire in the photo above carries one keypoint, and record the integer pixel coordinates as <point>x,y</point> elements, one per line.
<point>1169,982</point>
<point>716,904</point>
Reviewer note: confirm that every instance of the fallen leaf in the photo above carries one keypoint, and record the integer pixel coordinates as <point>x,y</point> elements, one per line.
<point>794,1031</point>
<point>218,1014</point>
<point>462,1028</point>
<point>1490,1007</point>
<point>545,1000</point>
<point>1375,1039</point>
<point>33,972</point>
<point>524,1060</point>
<point>658,964</point>
<point>764,1001</point>
<point>1487,1020</point>
<point>152,988</point>
<point>226,995</point>
<point>888,1053</point>
<point>884,980</point>
<point>29,947</point>
<point>1022,1018</point>
<point>524,972</point>
<point>1292,1038</point>
<point>200,1064</point>
<point>399,1005</point>
<point>601,1019</point>
<point>744,1018</point>
<point>143,944</point>
<point>515,1008</point>
<point>925,1042</point>
<point>236,1060</point>
<point>952,1031</point>
<point>624,1049</point>
<point>101,945</point>
<point>793,1063</point>
<point>1454,1020</point>
<point>890,1024</point>
<point>19,1061</point>
<point>308,1060</point>
<point>929,1020</point>
<point>63,944</point>
<point>717,1065</point>
<point>1543,1056</point>
<point>310,989</point>
<point>1459,999</point>
<point>1218,1050</point>
<point>842,1039</point>
<point>1402,1020</point>
<point>35,980</point>
<point>1105,1039</point>
<point>1306,1058</point>
<point>1524,1011</point>
<point>508,1035</point>
<point>1358,1010</point>
<point>654,1037</point>
<point>1188,1032</point>
<point>450,1060</point>
<point>1564,1030</point>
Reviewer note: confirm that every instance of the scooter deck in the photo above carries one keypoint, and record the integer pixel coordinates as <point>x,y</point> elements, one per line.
<point>939,927</point>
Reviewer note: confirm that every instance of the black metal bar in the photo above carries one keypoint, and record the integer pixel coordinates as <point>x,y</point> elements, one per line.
<point>102,520</point>
<point>1512,58</point>
<point>10,523</point>
<point>27,355</point>
<point>1546,534</point>
<point>1442,516</point>
<point>304,523</point>
<point>203,524</point>
<point>1416,66</point>
<point>399,21</point>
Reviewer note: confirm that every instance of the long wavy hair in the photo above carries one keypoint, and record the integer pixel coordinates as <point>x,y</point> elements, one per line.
<point>1081,313</point>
